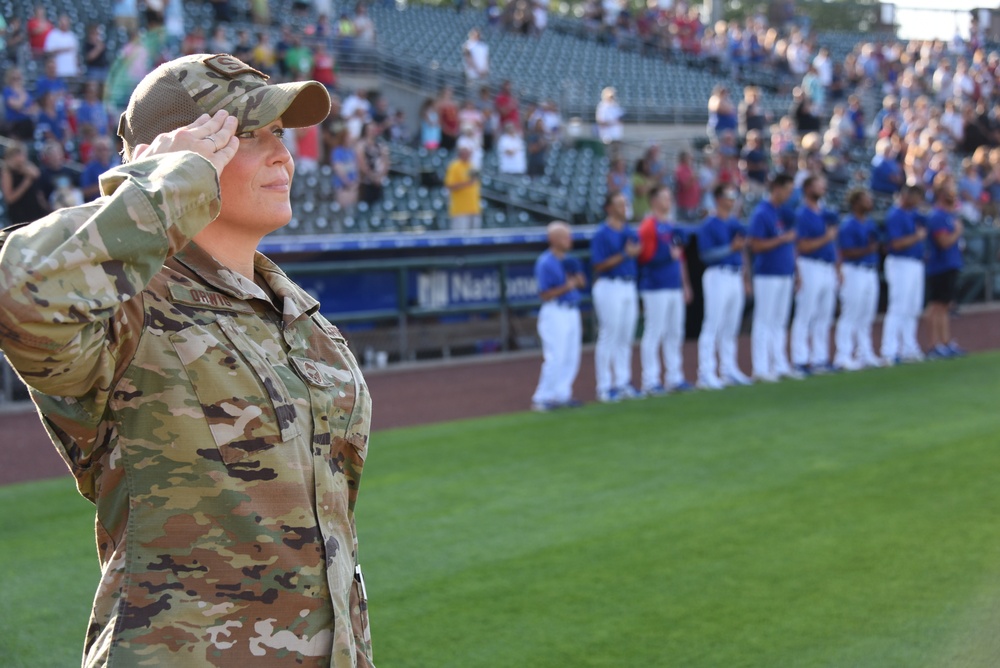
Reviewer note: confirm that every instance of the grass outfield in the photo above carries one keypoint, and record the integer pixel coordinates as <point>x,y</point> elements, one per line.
<point>848,520</point>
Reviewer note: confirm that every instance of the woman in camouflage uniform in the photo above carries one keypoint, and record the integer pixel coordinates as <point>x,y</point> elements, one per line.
<point>217,421</point>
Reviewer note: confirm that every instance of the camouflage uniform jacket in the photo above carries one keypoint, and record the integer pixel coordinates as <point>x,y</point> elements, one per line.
<point>219,428</point>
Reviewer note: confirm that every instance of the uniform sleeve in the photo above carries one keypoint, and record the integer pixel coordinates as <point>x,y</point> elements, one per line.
<point>547,275</point>
<point>66,278</point>
<point>712,244</point>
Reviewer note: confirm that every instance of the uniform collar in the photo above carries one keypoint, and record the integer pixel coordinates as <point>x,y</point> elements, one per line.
<point>294,302</point>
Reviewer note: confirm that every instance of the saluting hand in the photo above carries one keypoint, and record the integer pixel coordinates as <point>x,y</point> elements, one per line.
<point>212,137</point>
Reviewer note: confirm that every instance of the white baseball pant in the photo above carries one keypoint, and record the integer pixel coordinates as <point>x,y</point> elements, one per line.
<point>768,334</point>
<point>560,330</point>
<point>722,288</point>
<point>663,314</point>
<point>858,304</point>
<point>616,304</point>
<point>905,276</point>
<point>815,304</point>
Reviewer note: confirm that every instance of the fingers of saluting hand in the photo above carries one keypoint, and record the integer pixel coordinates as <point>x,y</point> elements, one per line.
<point>213,137</point>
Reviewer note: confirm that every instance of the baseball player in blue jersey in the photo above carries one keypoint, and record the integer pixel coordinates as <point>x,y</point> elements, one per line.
<point>773,247</point>
<point>944,261</point>
<point>613,250</point>
<point>858,243</point>
<point>721,244</point>
<point>906,231</point>
<point>665,293</point>
<point>816,297</point>
<point>560,279</point>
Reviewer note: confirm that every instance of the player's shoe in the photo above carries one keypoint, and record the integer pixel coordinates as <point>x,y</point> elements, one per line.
<point>544,406</point>
<point>766,378</point>
<point>710,383</point>
<point>682,386</point>
<point>847,365</point>
<point>655,391</point>
<point>571,403</point>
<point>804,369</point>
<point>738,378</point>
<point>955,350</point>
<point>939,352</point>
<point>629,392</point>
<point>609,396</point>
<point>793,374</point>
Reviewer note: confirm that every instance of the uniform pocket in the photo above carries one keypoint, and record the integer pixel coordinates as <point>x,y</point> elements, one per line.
<point>237,405</point>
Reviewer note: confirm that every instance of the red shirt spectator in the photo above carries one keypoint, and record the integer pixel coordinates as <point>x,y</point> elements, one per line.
<point>324,67</point>
<point>688,193</point>
<point>39,27</point>
<point>507,107</point>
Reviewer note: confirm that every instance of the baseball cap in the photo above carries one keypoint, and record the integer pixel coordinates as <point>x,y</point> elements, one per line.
<point>179,91</point>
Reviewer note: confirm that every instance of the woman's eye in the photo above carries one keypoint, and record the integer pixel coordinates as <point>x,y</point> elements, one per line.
<point>279,133</point>
<point>245,135</point>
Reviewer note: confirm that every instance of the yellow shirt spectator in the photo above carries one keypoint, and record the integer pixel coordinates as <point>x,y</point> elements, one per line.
<point>464,188</point>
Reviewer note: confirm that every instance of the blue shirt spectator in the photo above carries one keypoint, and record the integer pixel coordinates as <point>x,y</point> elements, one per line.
<point>886,175</point>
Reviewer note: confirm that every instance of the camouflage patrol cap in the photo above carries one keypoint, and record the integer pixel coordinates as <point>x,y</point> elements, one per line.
<point>179,91</point>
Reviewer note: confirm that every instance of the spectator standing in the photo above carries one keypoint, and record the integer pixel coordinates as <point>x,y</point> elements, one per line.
<point>560,279</point>
<point>722,114</point>
<point>816,296</point>
<point>194,41</point>
<point>476,58</point>
<point>537,144</point>
<point>52,122</point>
<point>491,118</point>
<point>91,109</point>
<point>773,246</point>
<point>62,45</point>
<point>886,174</point>
<point>512,153</point>
<point>95,54</point>
<point>470,140</point>
<point>264,57</point>
<point>613,251</point>
<point>687,187</point>
<point>20,183</point>
<point>356,112</point>
<point>906,232</point>
<point>324,67</point>
<point>721,244</point>
<point>364,31</point>
<point>464,205</point>
<point>373,164</point>
<point>641,185</point>
<point>344,163</point>
<point>858,242</point>
<point>20,109</point>
<point>665,293</point>
<point>609,115</point>
<point>39,27</point>
<point>101,160</point>
<point>944,261</point>
<point>298,59</point>
<point>507,107</point>
<point>58,179</point>
<point>448,113</point>
<point>754,163</point>
<point>430,126</point>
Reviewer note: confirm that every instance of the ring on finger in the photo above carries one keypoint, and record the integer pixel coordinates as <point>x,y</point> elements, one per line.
<point>214,145</point>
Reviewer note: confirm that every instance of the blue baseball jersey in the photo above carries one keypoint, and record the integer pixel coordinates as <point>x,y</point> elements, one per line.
<point>855,234</point>
<point>607,242</point>
<point>766,223</point>
<point>940,260</point>
<point>551,272</point>
<point>901,223</point>
<point>811,224</point>
<point>658,270</point>
<point>715,238</point>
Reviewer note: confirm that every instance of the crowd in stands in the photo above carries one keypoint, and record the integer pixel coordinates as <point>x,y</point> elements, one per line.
<point>937,112</point>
